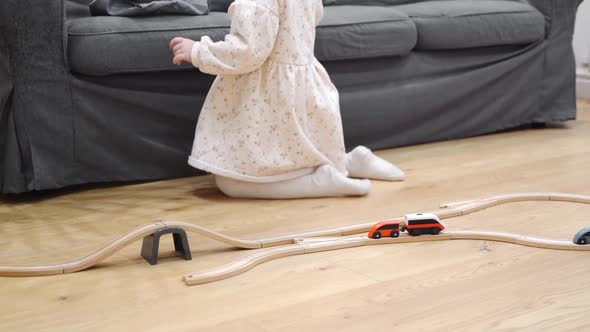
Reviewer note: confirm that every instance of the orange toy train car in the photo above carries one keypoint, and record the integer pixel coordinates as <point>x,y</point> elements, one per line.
<point>415,224</point>
<point>387,228</point>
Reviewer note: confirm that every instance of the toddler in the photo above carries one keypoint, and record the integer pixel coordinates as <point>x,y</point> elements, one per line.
<point>270,126</point>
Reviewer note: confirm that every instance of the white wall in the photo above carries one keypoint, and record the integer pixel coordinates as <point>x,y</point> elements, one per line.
<point>582,34</point>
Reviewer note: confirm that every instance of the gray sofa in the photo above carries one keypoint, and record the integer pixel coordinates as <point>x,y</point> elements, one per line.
<point>96,99</point>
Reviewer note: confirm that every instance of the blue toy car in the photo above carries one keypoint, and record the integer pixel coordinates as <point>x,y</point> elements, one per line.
<point>582,237</point>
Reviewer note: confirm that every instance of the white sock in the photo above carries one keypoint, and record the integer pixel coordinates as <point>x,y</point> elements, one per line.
<point>326,181</point>
<point>362,163</point>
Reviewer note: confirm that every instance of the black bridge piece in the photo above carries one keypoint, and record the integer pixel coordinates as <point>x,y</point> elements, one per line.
<point>151,244</point>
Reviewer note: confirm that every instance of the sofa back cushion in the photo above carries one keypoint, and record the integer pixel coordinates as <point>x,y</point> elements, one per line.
<point>462,24</point>
<point>369,2</point>
<point>77,8</point>
<point>346,32</point>
<point>223,5</point>
<point>219,5</point>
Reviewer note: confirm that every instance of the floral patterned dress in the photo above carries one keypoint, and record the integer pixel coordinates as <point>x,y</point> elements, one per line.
<point>272,113</point>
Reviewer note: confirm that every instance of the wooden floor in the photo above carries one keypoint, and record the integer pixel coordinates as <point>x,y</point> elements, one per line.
<point>446,286</point>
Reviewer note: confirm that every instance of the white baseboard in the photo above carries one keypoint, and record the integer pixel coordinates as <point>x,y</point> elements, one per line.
<point>583,88</point>
<point>583,72</point>
<point>583,83</point>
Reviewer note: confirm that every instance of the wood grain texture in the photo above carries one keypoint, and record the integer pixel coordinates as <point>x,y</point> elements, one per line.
<point>462,285</point>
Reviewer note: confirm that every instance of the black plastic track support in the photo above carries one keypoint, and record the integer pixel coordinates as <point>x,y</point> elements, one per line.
<point>151,244</point>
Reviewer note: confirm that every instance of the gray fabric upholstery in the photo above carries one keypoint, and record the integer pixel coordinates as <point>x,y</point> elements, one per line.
<point>457,24</point>
<point>372,2</point>
<point>223,5</point>
<point>5,93</point>
<point>385,102</point>
<point>558,89</point>
<point>40,131</point>
<point>5,79</point>
<point>440,95</point>
<point>94,42</point>
<point>361,32</point>
<point>346,32</point>
<point>219,5</point>
<point>77,8</point>
<point>148,7</point>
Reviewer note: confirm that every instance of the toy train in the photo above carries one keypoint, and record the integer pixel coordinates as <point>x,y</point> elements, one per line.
<point>415,224</point>
<point>583,236</point>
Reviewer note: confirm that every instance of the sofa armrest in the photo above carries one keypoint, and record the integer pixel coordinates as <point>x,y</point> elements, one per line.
<point>40,105</point>
<point>559,14</point>
<point>558,88</point>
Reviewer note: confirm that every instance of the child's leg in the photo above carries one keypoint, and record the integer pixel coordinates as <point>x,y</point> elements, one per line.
<point>362,163</point>
<point>326,181</point>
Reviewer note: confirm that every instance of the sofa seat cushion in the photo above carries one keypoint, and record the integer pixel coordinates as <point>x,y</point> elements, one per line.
<point>458,24</point>
<point>105,45</point>
<point>360,32</point>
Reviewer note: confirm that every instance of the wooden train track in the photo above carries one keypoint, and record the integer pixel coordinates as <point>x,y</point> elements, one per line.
<point>118,244</point>
<point>308,242</point>
<point>312,245</point>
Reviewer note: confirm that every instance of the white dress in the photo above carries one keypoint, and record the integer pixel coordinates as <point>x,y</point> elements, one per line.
<point>272,113</point>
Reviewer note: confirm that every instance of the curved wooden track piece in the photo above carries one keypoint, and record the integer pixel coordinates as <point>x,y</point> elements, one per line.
<point>239,243</point>
<point>115,246</point>
<point>306,246</point>
<point>449,210</point>
<point>84,262</point>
